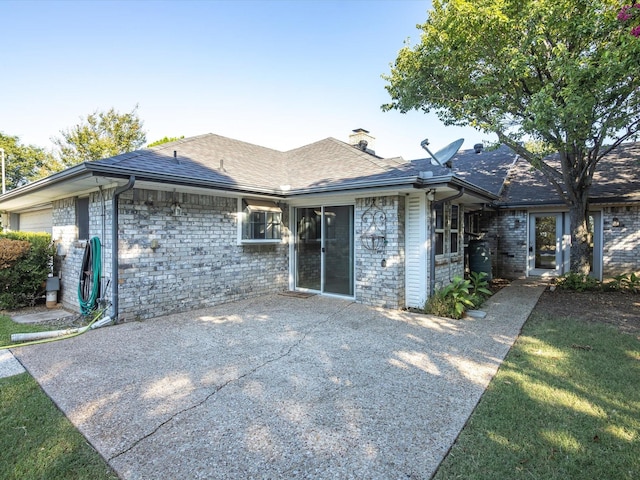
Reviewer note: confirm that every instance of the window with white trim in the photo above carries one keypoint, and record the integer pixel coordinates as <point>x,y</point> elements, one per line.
<point>455,228</point>
<point>439,231</point>
<point>261,221</point>
<point>447,229</point>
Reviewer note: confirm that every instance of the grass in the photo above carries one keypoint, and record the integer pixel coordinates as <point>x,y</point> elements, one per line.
<point>8,326</point>
<point>565,404</point>
<point>37,440</point>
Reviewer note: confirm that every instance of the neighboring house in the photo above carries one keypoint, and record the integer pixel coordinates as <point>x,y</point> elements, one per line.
<point>208,219</point>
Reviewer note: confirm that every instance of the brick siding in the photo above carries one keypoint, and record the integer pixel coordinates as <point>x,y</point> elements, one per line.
<point>197,262</point>
<point>621,244</point>
<point>378,285</point>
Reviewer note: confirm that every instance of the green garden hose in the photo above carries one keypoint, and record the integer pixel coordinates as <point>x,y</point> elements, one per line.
<point>89,285</point>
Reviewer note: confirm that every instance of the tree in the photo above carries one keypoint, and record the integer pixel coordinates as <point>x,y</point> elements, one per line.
<point>101,135</point>
<point>164,140</point>
<point>25,163</point>
<point>561,72</point>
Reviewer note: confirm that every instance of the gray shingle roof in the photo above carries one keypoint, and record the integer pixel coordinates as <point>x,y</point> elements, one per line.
<point>209,158</point>
<point>220,159</point>
<point>213,161</point>
<point>332,162</point>
<point>616,179</point>
<point>486,170</point>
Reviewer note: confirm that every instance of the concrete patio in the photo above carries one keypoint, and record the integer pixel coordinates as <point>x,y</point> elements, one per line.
<point>280,387</point>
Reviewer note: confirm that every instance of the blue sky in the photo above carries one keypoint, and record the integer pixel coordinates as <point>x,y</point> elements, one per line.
<point>280,74</point>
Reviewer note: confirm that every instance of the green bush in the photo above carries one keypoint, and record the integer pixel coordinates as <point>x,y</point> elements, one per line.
<point>11,251</point>
<point>629,282</point>
<point>479,288</point>
<point>578,282</point>
<point>24,281</point>
<point>452,300</point>
<point>440,305</point>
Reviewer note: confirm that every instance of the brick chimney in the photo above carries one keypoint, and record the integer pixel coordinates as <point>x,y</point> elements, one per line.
<point>361,140</point>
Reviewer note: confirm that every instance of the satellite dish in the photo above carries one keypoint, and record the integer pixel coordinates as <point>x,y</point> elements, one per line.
<point>443,156</point>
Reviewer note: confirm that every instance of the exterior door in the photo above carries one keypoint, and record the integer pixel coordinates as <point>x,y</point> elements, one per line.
<point>324,249</point>
<point>545,244</point>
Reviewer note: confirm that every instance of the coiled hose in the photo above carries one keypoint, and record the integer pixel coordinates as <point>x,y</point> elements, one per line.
<point>89,285</point>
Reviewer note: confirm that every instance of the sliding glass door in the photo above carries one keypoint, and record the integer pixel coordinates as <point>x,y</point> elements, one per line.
<point>324,249</point>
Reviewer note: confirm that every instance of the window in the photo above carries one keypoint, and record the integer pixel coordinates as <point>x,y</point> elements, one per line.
<point>439,210</point>
<point>447,227</point>
<point>455,223</point>
<point>471,226</point>
<point>261,221</point>
<point>82,218</point>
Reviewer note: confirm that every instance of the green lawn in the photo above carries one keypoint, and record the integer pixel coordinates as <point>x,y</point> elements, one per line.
<point>8,327</point>
<point>565,404</point>
<point>37,440</point>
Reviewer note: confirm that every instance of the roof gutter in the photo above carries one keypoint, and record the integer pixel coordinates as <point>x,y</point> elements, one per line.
<point>114,244</point>
<point>452,180</point>
<point>432,263</point>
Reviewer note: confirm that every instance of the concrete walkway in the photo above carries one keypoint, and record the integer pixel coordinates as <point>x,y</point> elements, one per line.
<point>280,387</point>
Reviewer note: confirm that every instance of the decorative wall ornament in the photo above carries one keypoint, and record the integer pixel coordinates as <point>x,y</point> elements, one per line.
<point>374,228</point>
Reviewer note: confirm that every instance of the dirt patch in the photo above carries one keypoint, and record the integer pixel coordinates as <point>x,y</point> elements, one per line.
<point>498,284</point>
<point>621,310</point>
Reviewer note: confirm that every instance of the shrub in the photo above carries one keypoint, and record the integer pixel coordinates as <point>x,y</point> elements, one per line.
<point>11,251</point>
<point>479,288</point>
<point>452,300</point>
<point>629,282</point>
<point>23,281</point>
<point>440,305</point>
<point>577,282</point>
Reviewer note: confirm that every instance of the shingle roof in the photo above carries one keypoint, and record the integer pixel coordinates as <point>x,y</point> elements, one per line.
<point>213,161</point>
<point>486,170</point>
<point>220,159</point>
<point>616,180</point>
<point>332,162</point>
<point>207,157</point>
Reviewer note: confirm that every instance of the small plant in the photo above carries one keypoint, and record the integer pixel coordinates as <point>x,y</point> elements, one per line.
<point>452,300</point>
<point>577,282</point>
<point>439,305</point>
<point>625,283</point>
<point>479,287</point>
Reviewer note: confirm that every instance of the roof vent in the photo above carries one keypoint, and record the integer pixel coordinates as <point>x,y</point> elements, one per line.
<point>478,147</point>
<point>175,157</point>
